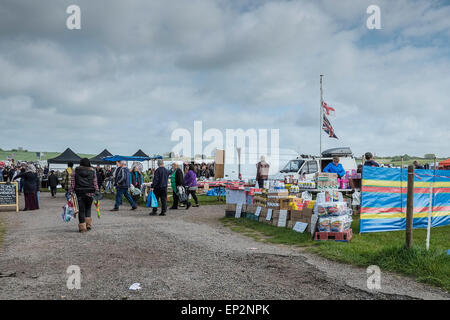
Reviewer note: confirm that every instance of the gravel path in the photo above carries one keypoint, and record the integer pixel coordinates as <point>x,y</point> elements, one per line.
<point>187,254</point>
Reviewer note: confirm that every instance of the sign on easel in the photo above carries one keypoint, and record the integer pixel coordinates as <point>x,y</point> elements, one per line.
<point>9,195</point>
<point>258,211</point>
<point>238,211</point>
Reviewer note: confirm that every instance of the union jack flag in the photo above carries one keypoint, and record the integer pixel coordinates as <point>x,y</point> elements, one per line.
<point>328,128</point>
<point>328,110</point>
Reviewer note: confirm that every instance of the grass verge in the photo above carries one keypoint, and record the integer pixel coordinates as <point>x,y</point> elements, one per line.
<point>384,249</point>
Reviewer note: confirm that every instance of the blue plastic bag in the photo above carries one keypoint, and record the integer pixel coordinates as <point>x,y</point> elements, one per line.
<point>151,200</point>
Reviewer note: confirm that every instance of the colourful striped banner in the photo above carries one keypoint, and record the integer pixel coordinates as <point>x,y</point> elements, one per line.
<point>384,197</point>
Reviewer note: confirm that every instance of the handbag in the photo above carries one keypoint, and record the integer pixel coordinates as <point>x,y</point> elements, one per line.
<point>182,196</point>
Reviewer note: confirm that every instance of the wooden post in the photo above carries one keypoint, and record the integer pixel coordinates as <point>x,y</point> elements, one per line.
<point>410,207</point>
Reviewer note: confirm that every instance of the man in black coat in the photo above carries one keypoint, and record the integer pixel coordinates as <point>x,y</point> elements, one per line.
<point>53,183</point>
<point>159,187</point>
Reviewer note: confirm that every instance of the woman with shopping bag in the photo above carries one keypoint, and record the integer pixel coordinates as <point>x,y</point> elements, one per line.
<point>84,184</point>
<point>177,183</point>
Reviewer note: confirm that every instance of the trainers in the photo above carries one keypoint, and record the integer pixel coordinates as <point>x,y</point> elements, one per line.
<point>173,208</point>
<point>134,208</point>
<point>162,214</point>
<point>152,213</point>
<point>115,209</point>
<point>196,205</point>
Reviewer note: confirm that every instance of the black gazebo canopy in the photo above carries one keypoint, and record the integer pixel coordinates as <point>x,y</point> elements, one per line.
<point>140,153</point>
<point>65,157</point>
<point>98,159</point>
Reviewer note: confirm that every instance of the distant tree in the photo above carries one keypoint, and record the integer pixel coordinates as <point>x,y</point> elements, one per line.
<point>429,156</point>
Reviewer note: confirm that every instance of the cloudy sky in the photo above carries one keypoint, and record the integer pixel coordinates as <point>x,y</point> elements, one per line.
<point>137,70</point>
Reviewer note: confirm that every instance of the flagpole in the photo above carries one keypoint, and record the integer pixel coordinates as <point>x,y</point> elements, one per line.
<point>321,124</point>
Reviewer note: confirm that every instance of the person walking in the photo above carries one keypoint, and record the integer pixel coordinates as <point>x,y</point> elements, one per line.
<point>53,183</point>
<point>137,179</point>
<point>262,171</point>
<point>100,173</point>
<point>66,179</point>
<point>30,187</point>
<point>159,187</point>
<point>190,181</point>
<point>122,183</point>
<point>177,182</point>
<point>84,184</point>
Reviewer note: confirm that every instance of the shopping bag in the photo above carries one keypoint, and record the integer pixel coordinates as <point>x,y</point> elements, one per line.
<point>149,199</point>
<point>74,200</point>
<point>154,201</point>
<point>182,196</point>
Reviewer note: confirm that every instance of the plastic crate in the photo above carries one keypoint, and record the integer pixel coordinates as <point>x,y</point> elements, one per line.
<point>336,236</point>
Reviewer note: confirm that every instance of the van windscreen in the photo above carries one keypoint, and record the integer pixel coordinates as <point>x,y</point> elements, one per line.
<point>293,166</point>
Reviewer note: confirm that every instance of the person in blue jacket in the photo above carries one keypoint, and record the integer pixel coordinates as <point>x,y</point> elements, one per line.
<point>335,167</point>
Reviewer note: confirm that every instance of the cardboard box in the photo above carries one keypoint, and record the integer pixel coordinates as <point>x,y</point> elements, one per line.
<point>326,176</point>
<point>285,204</point>
<point>307,212</point>
<point>250,209</point>
<point>278,195</point>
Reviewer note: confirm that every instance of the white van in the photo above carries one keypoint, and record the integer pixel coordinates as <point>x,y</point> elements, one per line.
<point>305,167</point>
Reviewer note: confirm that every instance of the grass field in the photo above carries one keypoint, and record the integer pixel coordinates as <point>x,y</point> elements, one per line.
<point>385,249</point>
<point>31,155</point>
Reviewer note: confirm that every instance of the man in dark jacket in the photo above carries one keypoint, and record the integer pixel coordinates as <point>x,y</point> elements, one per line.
<point>53,183</point>
<point>122,183</point>
<point>369,160</point>
<point>159,187</point>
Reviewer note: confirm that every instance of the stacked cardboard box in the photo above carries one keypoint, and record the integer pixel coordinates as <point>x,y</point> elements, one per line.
<point>301,216</point>
<point>325,180</point>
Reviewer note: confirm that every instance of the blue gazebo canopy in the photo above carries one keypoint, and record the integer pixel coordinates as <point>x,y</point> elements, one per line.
<point>125,158</point>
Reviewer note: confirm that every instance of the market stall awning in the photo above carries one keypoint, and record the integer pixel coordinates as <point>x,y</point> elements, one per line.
<point>156,157</point>
<point>125,158</point>
<point>67,156</point>
<point>140,153</point>
<point>98,159</point>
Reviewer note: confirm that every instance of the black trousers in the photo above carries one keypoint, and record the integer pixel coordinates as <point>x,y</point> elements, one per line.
<point>161,196</point>
<point>193,194</point>
<point>53,190</point>
<point>84,206</point>
<point>261,183</point>
<point>176,201</point>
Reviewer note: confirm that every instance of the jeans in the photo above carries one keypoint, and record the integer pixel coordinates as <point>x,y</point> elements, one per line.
<point>84,207</point>
<point>161,195</point>
<point>123,192</point>
<point>53,190</point>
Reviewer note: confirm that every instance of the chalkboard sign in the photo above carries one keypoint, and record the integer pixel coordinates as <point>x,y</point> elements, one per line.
<point>9,195</point>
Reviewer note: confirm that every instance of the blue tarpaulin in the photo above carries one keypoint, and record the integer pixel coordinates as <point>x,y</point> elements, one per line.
<point>125,158</point>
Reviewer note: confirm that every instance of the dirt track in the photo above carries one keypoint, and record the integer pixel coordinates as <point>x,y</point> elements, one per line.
<point>187,254</point>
